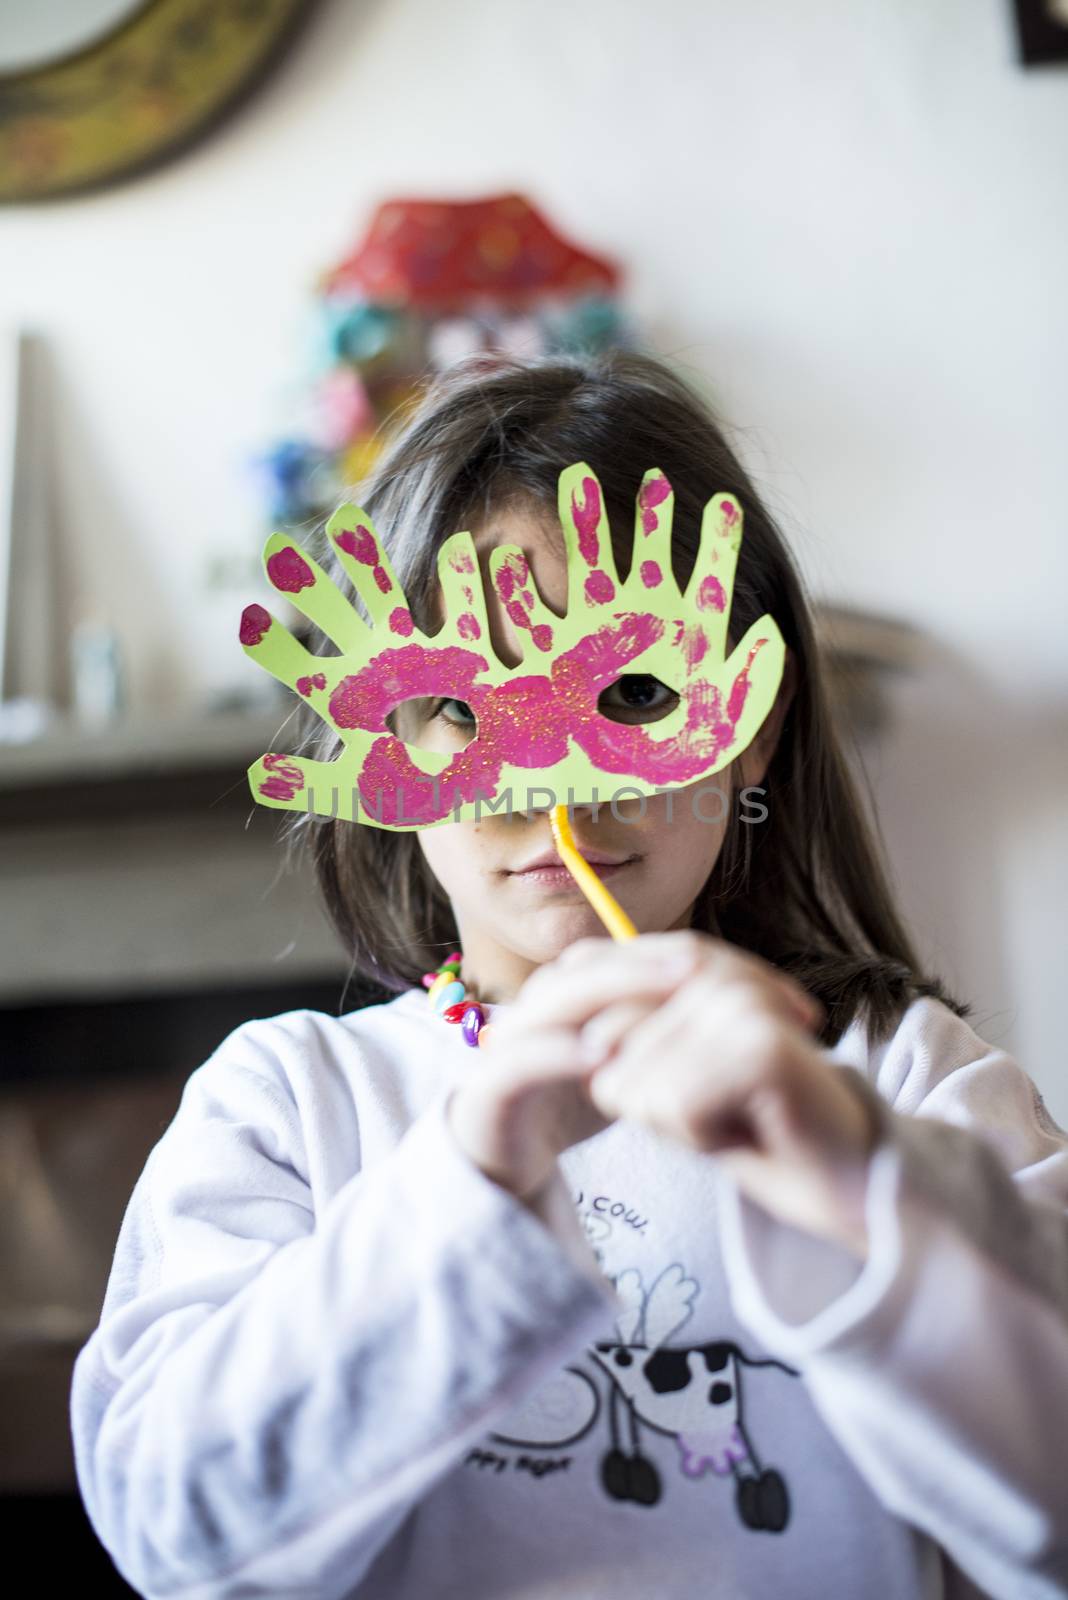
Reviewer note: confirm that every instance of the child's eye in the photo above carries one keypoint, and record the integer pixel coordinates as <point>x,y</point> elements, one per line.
<point>465,718</point>
<point>411,719</point>
<point>637,697</point>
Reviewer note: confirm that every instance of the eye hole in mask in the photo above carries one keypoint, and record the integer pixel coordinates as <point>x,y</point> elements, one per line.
<point>433,722</point>
<point>637,697</point>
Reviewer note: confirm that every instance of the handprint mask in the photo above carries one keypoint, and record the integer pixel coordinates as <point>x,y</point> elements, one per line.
<point>538,726</point>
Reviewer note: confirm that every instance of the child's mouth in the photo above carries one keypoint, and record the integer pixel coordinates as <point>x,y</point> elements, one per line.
<point>556,875</point>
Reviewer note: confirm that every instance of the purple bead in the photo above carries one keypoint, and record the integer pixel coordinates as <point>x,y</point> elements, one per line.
<point>470,1023</point>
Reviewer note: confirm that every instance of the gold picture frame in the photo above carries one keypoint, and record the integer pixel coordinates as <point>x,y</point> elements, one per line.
<point>138,96</point>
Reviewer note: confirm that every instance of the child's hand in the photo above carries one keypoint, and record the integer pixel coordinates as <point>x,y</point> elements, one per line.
<point>528,1100</point>
<point>717,1052</point>
<point>728,1065</point>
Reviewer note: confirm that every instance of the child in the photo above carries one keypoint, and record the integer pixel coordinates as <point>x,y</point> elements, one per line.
<point>735,1264</point>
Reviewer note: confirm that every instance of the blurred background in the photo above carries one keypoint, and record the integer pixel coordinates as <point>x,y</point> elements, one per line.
<point>233,235</point>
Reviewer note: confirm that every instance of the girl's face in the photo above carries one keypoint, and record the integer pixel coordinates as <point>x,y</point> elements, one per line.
<point>659,852</point>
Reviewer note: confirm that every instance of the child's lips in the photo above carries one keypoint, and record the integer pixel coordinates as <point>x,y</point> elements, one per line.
<point>557,875</point>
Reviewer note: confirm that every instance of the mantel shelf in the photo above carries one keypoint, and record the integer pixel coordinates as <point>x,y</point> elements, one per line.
<point>138,765</point>
<point>135,745</point>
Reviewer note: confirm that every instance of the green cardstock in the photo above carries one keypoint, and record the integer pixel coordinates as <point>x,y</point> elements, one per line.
<point>541,739</point>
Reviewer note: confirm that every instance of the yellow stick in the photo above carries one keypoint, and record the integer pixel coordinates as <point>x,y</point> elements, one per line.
<point>606,905</point>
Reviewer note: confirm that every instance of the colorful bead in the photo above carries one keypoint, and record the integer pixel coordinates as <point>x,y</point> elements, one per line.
<point>471,1023</point>
<point>483,1034</point>
<point>449,970</point>
<point>455,1013</point>
<point>448,996</point>
<point>442,980</point>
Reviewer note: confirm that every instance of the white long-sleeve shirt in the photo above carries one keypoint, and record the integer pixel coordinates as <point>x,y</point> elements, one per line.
<point>335,1359</point>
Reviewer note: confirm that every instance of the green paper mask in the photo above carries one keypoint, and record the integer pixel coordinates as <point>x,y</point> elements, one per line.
<point>538,727</point>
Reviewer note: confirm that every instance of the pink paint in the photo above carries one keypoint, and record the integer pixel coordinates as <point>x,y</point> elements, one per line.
<point>692,644</point>
<point>361,544</point>
<point>587,517</point>
<point>255,621</point>
<point>730,514</point>
<point>651,574</point>
<point>288,571</point>
<point>469,594</point>
<point>400,620</point>
<point>604,654</point>
<point>394,790</point>
<point>286,778</point>
<point>467,626</point>
<point>460,561</point>
<point>710,595</point>
<point>316,681</point>
<point>740,688</point>
<point>651,495</point>
<point>512,576</point>
<point>520,721</point>
<point>599,588</point>
<point>504,582</point>
<point>518,602</point>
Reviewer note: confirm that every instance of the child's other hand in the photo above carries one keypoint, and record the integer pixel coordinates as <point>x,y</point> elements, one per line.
<point>728,1065</point>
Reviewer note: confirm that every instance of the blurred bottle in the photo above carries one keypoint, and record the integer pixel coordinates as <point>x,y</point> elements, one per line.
<point>96,671</point>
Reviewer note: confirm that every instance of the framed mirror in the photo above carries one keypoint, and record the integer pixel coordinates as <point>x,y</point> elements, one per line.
<point>95,91</point>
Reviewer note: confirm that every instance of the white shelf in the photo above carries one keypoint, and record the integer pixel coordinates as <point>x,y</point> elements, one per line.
<point>143,746</point>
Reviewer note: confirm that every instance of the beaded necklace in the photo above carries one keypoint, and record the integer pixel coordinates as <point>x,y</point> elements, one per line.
<point>448,997</point>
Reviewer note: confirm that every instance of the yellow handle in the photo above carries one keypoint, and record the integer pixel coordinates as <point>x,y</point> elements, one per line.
<point>606,905</point>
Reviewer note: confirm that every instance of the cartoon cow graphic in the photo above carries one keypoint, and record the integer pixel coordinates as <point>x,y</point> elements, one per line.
<point>690,1393</point>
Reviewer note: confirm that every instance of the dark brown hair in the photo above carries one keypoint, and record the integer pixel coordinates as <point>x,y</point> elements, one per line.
<point>806,888</point>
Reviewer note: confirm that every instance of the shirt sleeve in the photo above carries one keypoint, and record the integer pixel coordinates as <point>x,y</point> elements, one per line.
<point>940,1362</point>
<point>269,1392</point>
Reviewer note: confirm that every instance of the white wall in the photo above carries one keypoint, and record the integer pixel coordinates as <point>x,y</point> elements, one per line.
<point>847,215</point>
